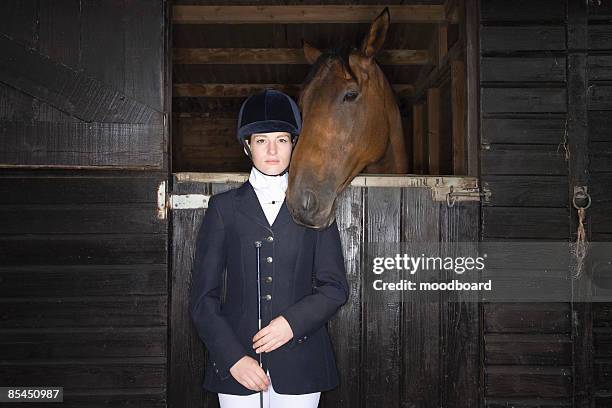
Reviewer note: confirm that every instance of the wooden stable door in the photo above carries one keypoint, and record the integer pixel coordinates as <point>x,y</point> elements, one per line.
<point>409,353</point>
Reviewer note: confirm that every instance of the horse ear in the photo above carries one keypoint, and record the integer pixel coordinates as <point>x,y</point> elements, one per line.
<point>375,39</point>
<point>311,53</point>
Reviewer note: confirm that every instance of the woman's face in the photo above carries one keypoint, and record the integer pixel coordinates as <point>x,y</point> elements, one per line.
<point>271,152</point>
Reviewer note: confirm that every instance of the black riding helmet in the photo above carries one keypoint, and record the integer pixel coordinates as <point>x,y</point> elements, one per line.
<point>268,111</point>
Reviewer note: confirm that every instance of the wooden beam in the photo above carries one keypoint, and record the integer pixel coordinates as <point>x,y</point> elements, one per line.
<point>433,130</point>
<point>417,139</point>
<point>282,56</point>
<point>458,112</point>
<point>289,14</point>
<point>434,77</point>
<point>442,41</point>
<point>243,90</point>
<point>470,11</point>
<point>451,10</point>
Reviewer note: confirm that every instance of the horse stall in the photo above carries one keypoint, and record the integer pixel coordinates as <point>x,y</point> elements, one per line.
<point>118,122</point>
<point>418,351</point>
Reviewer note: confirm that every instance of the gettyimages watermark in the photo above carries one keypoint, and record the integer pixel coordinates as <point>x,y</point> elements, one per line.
<point>500,271</point>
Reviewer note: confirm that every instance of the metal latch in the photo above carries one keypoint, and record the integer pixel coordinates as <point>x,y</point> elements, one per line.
<point>468,194</point>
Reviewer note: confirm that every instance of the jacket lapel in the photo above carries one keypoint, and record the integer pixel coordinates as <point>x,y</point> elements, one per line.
<point>249,205</point>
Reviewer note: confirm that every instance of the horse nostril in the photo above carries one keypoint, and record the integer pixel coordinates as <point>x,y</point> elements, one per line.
<point>309,201</point>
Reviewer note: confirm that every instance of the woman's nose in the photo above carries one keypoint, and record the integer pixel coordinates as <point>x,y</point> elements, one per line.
<point>272,148</point>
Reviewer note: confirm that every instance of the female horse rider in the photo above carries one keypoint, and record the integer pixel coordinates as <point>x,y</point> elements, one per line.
<point>264,322</point>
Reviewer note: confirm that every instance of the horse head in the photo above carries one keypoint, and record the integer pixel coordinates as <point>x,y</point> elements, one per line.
<point>351,122</point>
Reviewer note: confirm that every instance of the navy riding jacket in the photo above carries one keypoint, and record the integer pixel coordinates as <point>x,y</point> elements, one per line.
<point>224,293</point>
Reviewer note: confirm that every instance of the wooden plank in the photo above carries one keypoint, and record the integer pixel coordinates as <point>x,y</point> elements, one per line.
<point>144,22</point>
<point>459,311</point>
<point>113,397</point>
<point>522,38</point>
<point>381,355</point>
<point>602,375</point>
<point>57,37</point>
<point>433,130</point>
<point>82,343</point>
<point>471,13</point>
<point>538,318</point>
<point>345,327</point>
<point>442,40</point>
<point>531,100</point>
<point>600,67</point>
<point>68,89</point>
<point>82,249</point>
<point>578,175</point>
<point>458,115</point>
<point>528,349</point>
<point>418,139</point>
<point>186,350</point>
<point>523,69</point>
<point>283,56</point>
<point>244,90</point>
<point>288,14</point>
<point>531,381</point>
<point>602,315</point>
<point>124,311</point>
<point>600,37</point>
<point>600,160</point>
<point>524,160</point>
<point>82,280</point>
<point>79,218</point>
<point>524,129</point>
<point>600,97</point>
<point>420,327</point>
<point>79,187</point>
<point>525,223</point>
<point>71,144</point>
<point>97,373</point>
<point>526,191</point>
<point>18,20</point>
<point>527,402</point>
<point>523,10</point>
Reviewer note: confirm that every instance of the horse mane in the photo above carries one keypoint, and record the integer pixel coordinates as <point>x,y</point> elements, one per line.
<point>340,52</point>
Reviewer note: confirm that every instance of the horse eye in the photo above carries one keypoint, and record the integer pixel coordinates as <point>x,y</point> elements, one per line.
<point>350,96</point>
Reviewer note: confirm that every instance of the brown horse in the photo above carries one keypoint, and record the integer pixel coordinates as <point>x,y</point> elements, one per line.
<point>351,122</point>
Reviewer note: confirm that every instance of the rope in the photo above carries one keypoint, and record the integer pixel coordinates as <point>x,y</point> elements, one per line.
<point>580,247</point>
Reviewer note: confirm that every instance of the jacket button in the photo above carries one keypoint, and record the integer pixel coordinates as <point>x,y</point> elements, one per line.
<point>214,363</point>
<point>268,297</point>
<point>305,337</point>
<point>269,259</point>
<point>270,238</point>
<point>300,341</point>
<point>268,279</point>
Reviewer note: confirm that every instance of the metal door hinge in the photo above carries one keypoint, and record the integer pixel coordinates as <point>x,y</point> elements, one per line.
<point>178,201</point>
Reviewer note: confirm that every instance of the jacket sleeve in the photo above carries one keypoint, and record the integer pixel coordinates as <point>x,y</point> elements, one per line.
<point>222,343</point>
<point>331,291</point>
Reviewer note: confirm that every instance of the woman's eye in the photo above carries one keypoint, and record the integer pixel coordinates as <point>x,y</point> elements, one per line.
<point>350,96</point>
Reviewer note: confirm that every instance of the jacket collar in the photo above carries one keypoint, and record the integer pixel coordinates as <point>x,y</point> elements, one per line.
<point>248,204</point>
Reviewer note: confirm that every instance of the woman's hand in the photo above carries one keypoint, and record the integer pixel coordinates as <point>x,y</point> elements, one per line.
<point>274,335</point>
<point>248,373</point>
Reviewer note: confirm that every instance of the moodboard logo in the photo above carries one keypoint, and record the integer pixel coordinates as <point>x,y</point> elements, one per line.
<point>499,271</point>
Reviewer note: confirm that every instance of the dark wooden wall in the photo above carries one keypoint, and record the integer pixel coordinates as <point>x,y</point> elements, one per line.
<point>83,256</point>
<point>543,70</point>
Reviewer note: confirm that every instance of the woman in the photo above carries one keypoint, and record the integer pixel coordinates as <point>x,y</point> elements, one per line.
<point>248,233</point>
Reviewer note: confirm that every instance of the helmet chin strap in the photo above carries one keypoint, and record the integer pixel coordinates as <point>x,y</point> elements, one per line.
<point>274,175</point>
